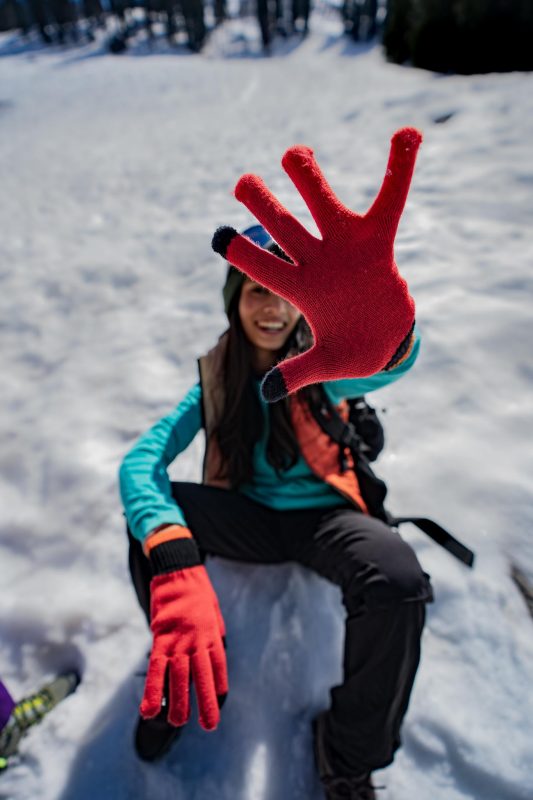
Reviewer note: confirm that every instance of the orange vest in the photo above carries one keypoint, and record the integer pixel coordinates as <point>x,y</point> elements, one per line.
<point>319,451</point>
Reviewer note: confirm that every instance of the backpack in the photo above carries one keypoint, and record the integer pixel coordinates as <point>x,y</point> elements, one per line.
<point>364,436</point>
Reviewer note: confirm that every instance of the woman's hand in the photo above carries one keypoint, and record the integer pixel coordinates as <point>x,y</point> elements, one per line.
<point>346,284</point>
<point>188,641</point>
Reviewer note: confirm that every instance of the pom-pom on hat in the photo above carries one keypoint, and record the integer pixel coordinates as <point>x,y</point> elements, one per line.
<point>235,278</point>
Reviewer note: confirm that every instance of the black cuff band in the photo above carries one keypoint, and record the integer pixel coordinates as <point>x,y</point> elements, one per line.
<point>173,555</point>
<point>401,351</point>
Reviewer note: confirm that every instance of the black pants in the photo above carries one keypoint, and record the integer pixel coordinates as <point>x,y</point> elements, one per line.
<point>384,592</point>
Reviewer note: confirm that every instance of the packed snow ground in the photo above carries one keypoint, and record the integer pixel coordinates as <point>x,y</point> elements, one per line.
<point>114,174</point>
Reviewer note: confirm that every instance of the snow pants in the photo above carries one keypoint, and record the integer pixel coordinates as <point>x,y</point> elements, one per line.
<point>384,591</point>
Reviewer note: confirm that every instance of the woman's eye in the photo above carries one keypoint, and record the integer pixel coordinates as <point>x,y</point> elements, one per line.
<point>259,290</point>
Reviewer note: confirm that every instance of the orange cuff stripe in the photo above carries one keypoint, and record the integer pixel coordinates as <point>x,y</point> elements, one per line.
<point>165,535</point>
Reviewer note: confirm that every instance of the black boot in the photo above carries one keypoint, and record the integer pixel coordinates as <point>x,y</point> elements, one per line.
<point>338,787</point>
<point>154,737</point>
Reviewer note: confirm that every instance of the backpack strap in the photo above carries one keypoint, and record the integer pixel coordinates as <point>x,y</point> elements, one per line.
<point>439,535</point>
<point>345,434</point>
<point>368,426</point>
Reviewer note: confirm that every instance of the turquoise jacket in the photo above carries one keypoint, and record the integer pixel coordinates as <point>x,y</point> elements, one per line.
<point>145,486</point>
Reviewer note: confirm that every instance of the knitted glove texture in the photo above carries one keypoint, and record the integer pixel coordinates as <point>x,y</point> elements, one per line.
<point>188,632</point>
<point>346,284</point>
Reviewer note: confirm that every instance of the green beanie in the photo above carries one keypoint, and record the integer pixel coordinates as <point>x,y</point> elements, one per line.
<point>235,278</point>
<point>234,281</point>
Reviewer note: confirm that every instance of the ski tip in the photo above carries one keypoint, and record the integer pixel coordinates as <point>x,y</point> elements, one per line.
<point>65,684</point>
<point>73,676</point>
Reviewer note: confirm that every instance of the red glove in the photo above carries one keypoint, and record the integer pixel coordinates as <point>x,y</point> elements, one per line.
<point>188,632</point>
<point>346,284</point>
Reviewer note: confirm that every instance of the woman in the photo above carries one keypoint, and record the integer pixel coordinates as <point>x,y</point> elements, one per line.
<point>275,489</point>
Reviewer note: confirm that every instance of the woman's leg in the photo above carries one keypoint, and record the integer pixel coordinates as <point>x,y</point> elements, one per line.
<point>384,591</point>
<point>223,523</point>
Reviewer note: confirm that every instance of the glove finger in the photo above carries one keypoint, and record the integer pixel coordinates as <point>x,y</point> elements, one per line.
<point>392,196</point>
<point>267,269</point>
<point>220,669</point>
<point>300,165</point>
<point>179,699</point>
<point>154,686</point>
<point>279,222</point>
<point>292,374</point>
<point>314,366</point>
<point>204,684</point>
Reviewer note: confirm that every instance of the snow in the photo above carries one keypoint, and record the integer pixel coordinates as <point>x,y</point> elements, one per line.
<point>115,171</point>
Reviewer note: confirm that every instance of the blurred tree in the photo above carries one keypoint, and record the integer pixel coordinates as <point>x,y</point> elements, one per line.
<point>465,36</point>
<point>193,15</point>
<point>434,35</point>
<point>398,24</point>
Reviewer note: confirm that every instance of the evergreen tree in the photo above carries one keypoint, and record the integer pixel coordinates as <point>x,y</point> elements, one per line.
<point>465,36</point>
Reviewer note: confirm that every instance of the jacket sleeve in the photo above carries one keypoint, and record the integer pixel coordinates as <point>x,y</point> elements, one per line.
<point>145,487</point>
<point>355,387</point>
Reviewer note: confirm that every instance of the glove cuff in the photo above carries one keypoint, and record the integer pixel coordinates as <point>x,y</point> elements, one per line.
<point>402,352</point>
<point>174,555</point>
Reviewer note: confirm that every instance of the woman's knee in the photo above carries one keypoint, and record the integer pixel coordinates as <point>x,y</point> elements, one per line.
<point>392,576</point>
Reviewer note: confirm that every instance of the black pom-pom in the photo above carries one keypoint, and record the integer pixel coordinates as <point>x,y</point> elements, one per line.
<point>222,238</point>
<point>273,387</point>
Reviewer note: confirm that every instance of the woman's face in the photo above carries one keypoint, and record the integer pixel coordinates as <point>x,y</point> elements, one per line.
<point>267,320</point>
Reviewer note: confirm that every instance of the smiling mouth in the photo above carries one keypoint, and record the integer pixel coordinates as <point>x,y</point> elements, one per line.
<point>271,327</point>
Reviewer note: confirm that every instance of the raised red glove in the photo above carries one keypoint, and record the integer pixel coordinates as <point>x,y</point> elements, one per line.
<point>346,284</point>
<point>188,632</point>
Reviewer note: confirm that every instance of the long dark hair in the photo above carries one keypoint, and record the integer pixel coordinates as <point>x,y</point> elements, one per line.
<point>242,421</point>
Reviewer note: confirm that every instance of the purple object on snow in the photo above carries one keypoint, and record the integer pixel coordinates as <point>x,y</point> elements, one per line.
<point>7,704</point>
